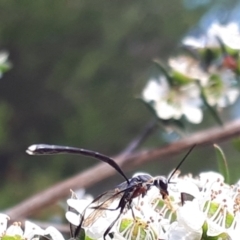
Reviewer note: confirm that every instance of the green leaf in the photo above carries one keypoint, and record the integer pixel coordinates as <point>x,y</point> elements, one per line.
<point>86,238</point>
<point>222,163</point>
<point>231,51</point>
<point>16,237</point>
<point>5,67</point>
<point>222,46</point>
<point>180,79</point>
<point>236,143</point>
<point>149,105</point>
<point>83,236</point>
<point>208,56</point>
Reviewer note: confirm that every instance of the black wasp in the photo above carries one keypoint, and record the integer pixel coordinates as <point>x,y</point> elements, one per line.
<point>125,192</point>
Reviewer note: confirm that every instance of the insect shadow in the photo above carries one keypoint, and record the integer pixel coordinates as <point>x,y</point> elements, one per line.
<point>125,192</point>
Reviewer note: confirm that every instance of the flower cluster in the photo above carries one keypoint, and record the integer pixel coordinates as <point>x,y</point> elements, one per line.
<point>31,231</point>
<point>207,76</point>
<point>197,209</point>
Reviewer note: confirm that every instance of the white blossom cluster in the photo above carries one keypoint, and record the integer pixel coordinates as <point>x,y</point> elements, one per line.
<point>31,231</point>
<point>208,76</point>
<point>197,209</point>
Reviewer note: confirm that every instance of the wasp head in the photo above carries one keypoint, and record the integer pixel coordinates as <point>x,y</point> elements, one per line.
<point>161,183</point>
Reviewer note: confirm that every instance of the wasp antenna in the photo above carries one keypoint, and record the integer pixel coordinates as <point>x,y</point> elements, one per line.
<point>179,165</point>
<point>45,149</point>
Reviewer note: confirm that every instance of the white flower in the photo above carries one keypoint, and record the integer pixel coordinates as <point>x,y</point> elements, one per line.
<point>31,230</point>
<point>14,230</point>
<point>173,103</point>
<point>190,220</point>
<point>79,206</point>
<point>213,211</point>
<point>188,67</point>
<point>79,196</point>
<point>229,34</point>
<point>53,233</point>
<point>155,89</point>
<point>219,85</point>
<point>3,223</point>
<point>190,216</point>
<point>94,229</point>
<point>221,90</point>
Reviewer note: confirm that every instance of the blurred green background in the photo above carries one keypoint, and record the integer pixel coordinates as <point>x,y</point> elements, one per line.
<point>77,68</point>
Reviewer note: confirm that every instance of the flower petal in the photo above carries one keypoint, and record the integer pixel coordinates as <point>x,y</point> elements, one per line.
<point>14,230</point>
<point>190,216</point>
<point>3,222</point>
<point>152,91</point>
<point>54,233</point>
<point>78,204</point>
<point>166,111</point>
<point>193,114</point>
<point>31,229</point>
<point>178,232</point>
<point>73,218</point>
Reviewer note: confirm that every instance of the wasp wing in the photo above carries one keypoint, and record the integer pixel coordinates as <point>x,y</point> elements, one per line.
<point>102,201</point>
<point>101,204</point>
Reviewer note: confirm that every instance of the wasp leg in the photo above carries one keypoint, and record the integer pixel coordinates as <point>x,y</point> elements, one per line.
<point>79,227</point>
<point>122,203</point>
<point>103,208</point>
<point>132,212</point>
<point>112,224</point>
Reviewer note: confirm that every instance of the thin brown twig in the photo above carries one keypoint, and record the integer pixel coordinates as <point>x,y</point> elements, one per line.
<point>137,141</point>
<point>102,171</point>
